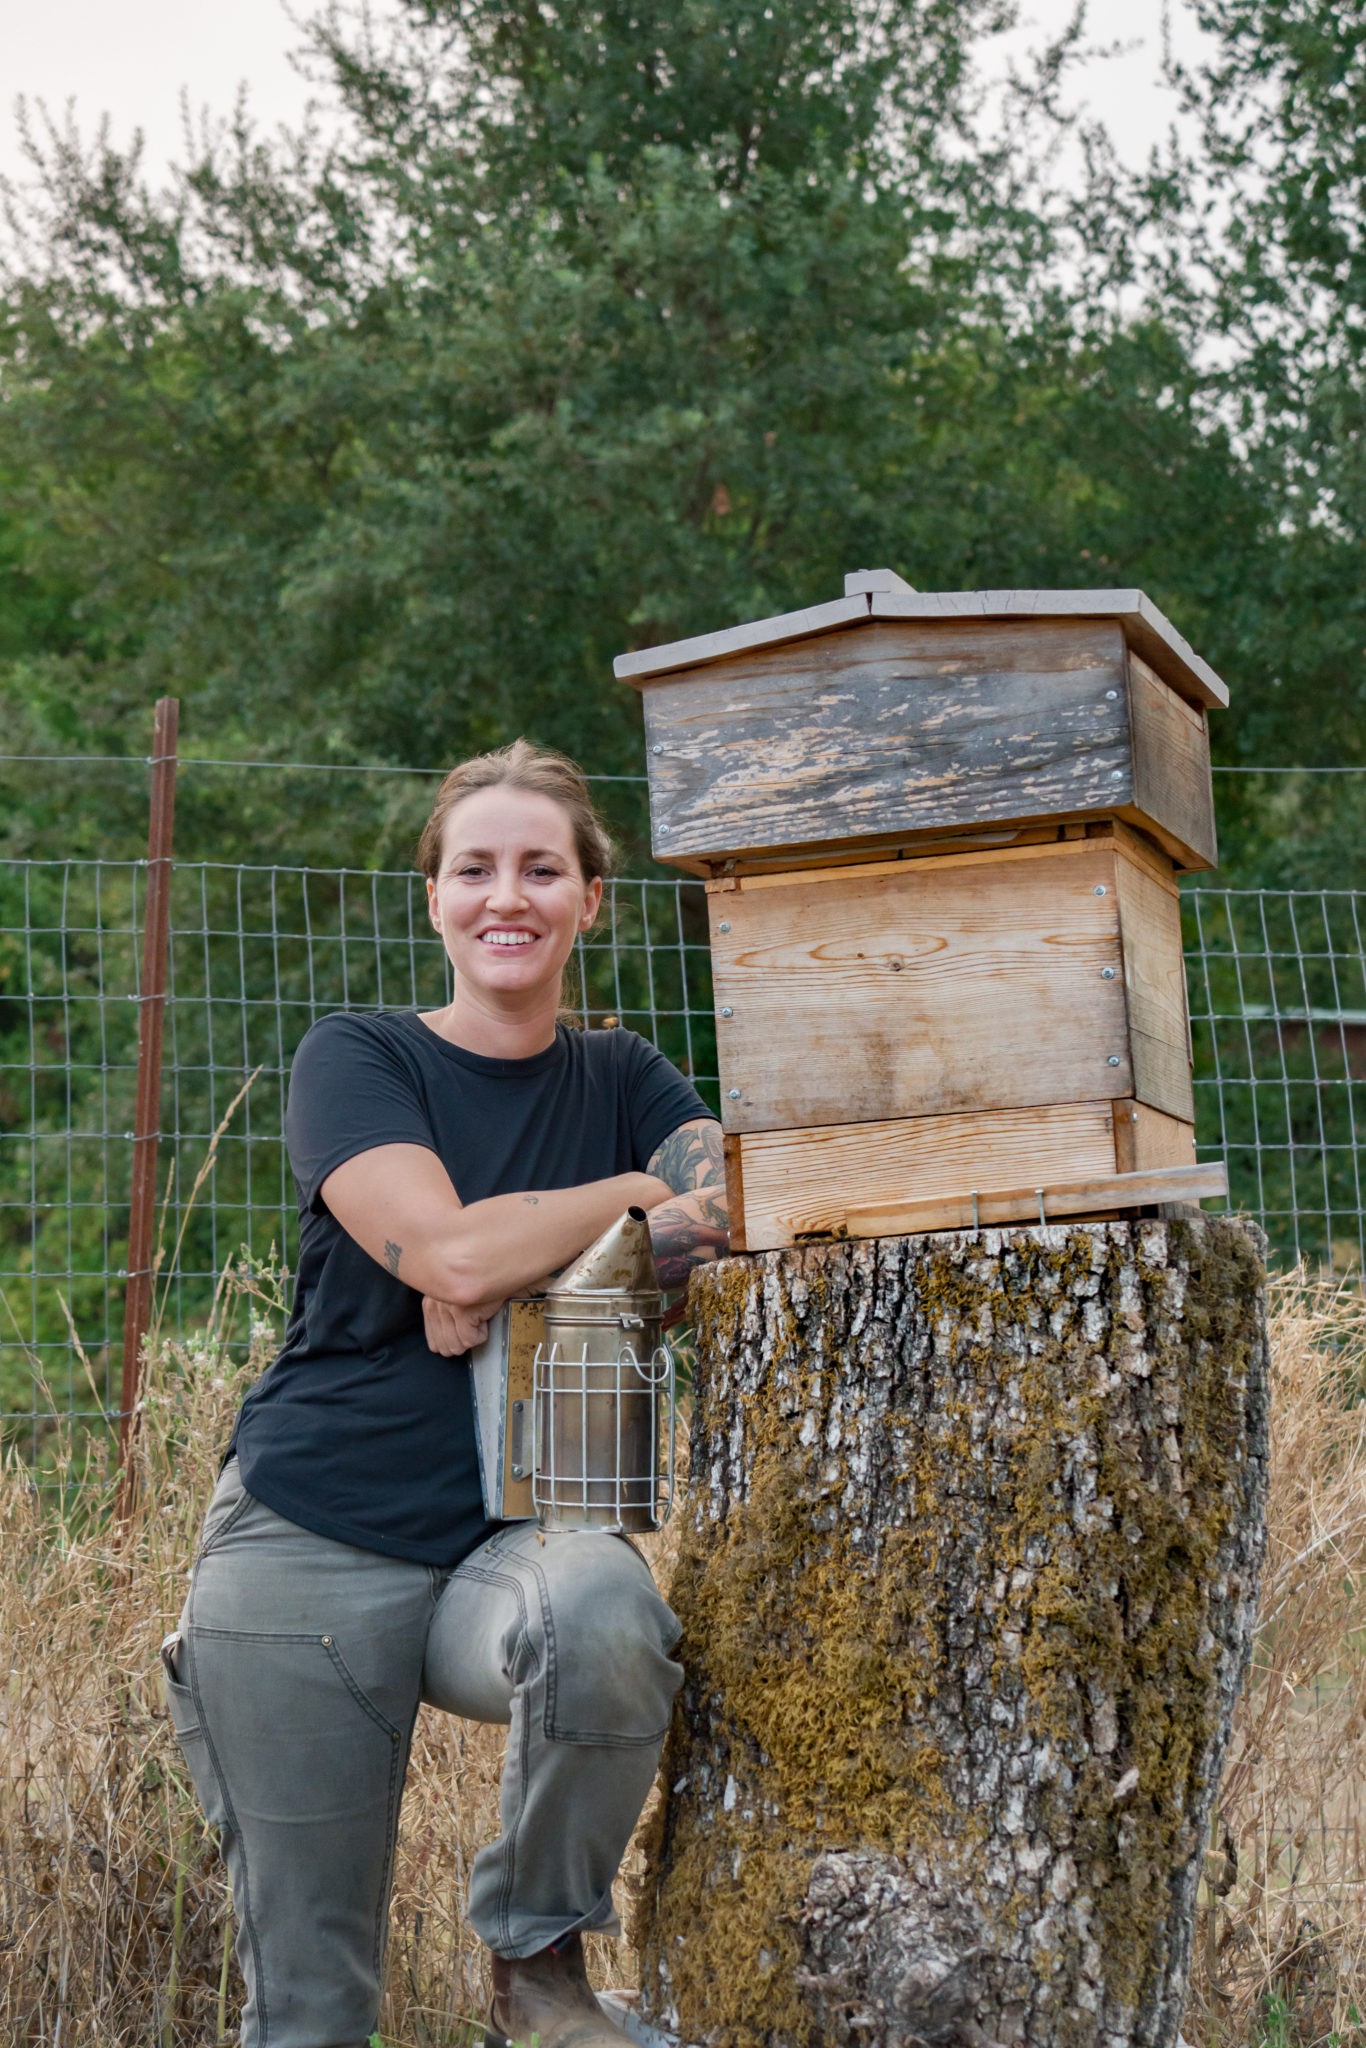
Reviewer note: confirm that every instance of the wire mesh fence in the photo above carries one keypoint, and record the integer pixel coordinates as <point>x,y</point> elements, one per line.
<point>1278,1012</point>
<point>1277,987</point>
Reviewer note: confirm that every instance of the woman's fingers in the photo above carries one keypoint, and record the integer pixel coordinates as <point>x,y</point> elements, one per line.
<point>443,1333</point>
<point>450,1330</point>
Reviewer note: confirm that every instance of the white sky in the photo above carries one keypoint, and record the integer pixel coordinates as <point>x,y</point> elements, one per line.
<point>133,59</point>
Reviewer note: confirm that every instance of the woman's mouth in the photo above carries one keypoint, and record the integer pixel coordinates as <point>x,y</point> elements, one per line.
<point>507,941</point>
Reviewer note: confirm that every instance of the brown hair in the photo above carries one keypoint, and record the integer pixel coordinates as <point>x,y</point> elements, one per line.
<point>542,772</point>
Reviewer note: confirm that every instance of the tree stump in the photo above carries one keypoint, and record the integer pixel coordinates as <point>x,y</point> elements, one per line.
<point>968,1585</point>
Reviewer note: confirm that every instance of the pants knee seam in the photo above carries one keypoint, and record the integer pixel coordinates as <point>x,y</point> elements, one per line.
<point>510,1836</point>
<point>484,1577</point>
<point>398,1774</point>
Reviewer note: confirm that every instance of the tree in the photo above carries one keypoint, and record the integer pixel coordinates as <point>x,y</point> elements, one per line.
<point>598,326</point>
<point>967,1583</point>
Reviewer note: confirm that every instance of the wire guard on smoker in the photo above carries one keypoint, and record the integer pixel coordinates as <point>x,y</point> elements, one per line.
<point>598,1426</point>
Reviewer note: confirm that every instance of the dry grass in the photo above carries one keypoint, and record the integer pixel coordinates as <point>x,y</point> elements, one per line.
<point>113,1899</point>
<point>1281,1947</point>
<point>113,1911</point>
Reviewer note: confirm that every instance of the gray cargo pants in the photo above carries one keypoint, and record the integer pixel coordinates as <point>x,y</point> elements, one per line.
<point>294,1688</point>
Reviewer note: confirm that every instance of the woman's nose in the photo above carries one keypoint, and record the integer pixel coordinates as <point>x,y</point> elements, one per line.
<point>506,891</point>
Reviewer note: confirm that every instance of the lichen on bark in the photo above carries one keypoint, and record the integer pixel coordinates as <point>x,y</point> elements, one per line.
<point>967,1588</point>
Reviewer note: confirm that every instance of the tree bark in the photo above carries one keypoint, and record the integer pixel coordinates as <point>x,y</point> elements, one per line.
<point>968,1584</point>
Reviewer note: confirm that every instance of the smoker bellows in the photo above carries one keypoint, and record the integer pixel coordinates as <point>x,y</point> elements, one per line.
<point>941,834</point>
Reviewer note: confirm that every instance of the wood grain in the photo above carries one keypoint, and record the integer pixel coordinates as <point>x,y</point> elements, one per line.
<point>1155,989</point>
<point>1146,1138</point>
<point>735,1193</point>
<point>966,983</point>
<point>879,582</point>
<point>771,632</point>
<point>892,729</point>
<point>1173,787</point>
<point>718,873</point>
<point>1147,630</point>
<point>803,1181</point>
<point>1108,1192</point>
<point>1032,846</point>
<point>1137,847</point>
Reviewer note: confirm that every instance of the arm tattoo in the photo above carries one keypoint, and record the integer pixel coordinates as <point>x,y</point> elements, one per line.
<point>690,1158</point>
<point>392,1254</point>
<point>533,1201</point>
<point>688,1233</point>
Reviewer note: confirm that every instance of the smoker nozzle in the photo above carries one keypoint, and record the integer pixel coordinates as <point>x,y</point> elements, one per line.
<point>622,1257</point>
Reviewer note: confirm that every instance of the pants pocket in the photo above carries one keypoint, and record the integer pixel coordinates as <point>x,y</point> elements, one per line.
<point>287,1723</point>
<point>180,1704</point>
<point>309,1774</point>
<point>609,1675</point>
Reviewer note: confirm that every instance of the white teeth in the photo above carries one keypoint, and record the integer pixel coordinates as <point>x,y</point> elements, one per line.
<point>508,938</point>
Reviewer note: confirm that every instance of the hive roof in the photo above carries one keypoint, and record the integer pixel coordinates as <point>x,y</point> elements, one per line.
<point>882,594</point>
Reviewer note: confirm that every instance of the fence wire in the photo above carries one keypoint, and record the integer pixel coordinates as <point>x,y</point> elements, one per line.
<point>1278,1012</point>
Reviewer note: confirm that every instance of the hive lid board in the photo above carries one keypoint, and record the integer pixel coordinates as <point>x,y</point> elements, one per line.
<point>881,594</point>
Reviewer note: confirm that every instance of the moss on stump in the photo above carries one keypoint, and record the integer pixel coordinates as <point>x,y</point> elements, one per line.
<point>967,1585</point>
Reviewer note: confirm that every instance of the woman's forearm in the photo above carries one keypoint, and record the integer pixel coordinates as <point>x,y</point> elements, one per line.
<point>398,1203</point>
<point>507,1242</point>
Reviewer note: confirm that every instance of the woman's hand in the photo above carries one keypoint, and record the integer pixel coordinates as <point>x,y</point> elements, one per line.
<point>690,1228</point>
<point>451,1330</point>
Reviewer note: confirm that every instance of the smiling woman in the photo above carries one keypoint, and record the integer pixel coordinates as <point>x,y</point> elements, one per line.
<point>445,1160</point>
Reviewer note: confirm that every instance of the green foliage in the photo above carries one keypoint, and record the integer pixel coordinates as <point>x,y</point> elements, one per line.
<point>598,326</point>
<point>1276,2023</point>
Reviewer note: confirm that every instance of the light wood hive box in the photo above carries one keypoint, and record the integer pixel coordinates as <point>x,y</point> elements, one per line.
<point>941,834</point>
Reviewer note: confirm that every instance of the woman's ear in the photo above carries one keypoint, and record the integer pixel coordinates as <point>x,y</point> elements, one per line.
<point>592,903</point>
<point>432,911</point>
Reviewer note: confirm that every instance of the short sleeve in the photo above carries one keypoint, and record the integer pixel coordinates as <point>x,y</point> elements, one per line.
<point>349,1090</point>
<point>658,1097</point>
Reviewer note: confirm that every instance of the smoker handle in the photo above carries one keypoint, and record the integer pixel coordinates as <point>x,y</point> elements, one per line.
<point>668,1506</point>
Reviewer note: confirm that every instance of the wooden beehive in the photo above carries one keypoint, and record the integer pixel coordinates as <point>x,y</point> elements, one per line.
<point>941,834</point>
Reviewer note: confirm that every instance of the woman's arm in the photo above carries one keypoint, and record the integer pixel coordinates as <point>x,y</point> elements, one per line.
<point>398,1203</point>
<point>691,1230</point>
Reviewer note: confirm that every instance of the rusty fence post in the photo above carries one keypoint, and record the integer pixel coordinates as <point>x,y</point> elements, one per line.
<point>147,1119</point>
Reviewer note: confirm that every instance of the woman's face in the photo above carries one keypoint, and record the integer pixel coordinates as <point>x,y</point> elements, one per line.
<point>509,899</point>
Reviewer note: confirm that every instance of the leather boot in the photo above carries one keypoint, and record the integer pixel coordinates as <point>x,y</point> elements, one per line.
<point>546,1998</point>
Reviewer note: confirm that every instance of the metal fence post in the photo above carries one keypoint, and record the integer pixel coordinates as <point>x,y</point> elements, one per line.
<point>147,1120</point>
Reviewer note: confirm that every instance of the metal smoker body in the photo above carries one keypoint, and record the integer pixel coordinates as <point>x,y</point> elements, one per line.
<point>604,1385</point>
<point>573,1391</point>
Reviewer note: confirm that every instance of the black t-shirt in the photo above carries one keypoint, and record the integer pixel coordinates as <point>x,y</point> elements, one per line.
<point>357,1430</point>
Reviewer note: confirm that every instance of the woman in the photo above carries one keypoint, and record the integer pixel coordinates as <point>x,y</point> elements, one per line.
<point>444,1161</point>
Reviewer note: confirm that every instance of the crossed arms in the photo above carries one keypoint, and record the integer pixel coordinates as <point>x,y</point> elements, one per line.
<point>398,1203</point>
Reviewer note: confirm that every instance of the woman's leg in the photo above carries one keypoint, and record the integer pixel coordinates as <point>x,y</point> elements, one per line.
<point>565,1638</point>
<point>295,1686</point>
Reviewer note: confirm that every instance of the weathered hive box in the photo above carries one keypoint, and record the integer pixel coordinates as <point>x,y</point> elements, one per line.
<point>941,834</point>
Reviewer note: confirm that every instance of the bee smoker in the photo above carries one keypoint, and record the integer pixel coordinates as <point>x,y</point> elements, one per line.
<point>573,1391</point>
<point>604,1387</point>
